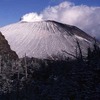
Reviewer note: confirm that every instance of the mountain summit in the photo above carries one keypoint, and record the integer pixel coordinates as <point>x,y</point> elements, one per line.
<point>46,39</point>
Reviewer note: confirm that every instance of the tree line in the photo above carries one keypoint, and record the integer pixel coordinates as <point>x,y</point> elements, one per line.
<point>42,79</point>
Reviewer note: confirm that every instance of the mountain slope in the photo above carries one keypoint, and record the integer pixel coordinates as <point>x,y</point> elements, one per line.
<point>5,48</point>
<point>45,39</point>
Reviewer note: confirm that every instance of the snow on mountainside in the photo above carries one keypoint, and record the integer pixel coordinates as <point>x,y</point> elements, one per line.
<point>45,39</point>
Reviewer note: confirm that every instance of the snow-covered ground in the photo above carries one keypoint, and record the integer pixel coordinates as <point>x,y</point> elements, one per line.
<point>43,39</point>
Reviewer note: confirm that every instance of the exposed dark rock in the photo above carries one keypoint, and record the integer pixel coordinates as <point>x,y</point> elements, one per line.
<point>5,49</point>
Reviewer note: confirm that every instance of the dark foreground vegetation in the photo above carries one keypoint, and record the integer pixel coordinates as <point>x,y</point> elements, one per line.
<point>34,79</point>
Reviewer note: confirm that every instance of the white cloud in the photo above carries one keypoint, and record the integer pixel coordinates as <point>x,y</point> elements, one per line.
<point>31,17</point>
<point>85,17</point>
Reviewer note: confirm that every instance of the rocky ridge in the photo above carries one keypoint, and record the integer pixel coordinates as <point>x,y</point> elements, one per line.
<point>5,49</point>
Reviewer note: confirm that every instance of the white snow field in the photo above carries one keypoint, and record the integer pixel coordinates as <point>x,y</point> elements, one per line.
<point>45,39</point>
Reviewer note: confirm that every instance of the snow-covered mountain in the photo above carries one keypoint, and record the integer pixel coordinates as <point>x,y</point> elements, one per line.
<point>46,39</point>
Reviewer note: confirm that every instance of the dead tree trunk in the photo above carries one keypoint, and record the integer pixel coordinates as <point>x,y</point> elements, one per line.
<point>80,51</point>
<point>26,74</point>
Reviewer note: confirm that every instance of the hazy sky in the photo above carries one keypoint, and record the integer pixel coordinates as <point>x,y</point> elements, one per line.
<point>12,10</point>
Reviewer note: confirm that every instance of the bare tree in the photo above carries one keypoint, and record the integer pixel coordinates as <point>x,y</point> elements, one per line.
<point>26,74</point>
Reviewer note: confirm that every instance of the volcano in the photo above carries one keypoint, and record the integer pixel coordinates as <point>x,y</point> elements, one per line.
<point>46,39</point>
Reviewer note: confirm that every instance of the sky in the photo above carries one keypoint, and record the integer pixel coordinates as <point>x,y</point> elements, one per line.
<point>81,13</point>
<point>12,10</point>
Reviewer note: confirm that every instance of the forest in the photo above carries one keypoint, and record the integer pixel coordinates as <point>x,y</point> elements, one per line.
<point>42,79</point>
